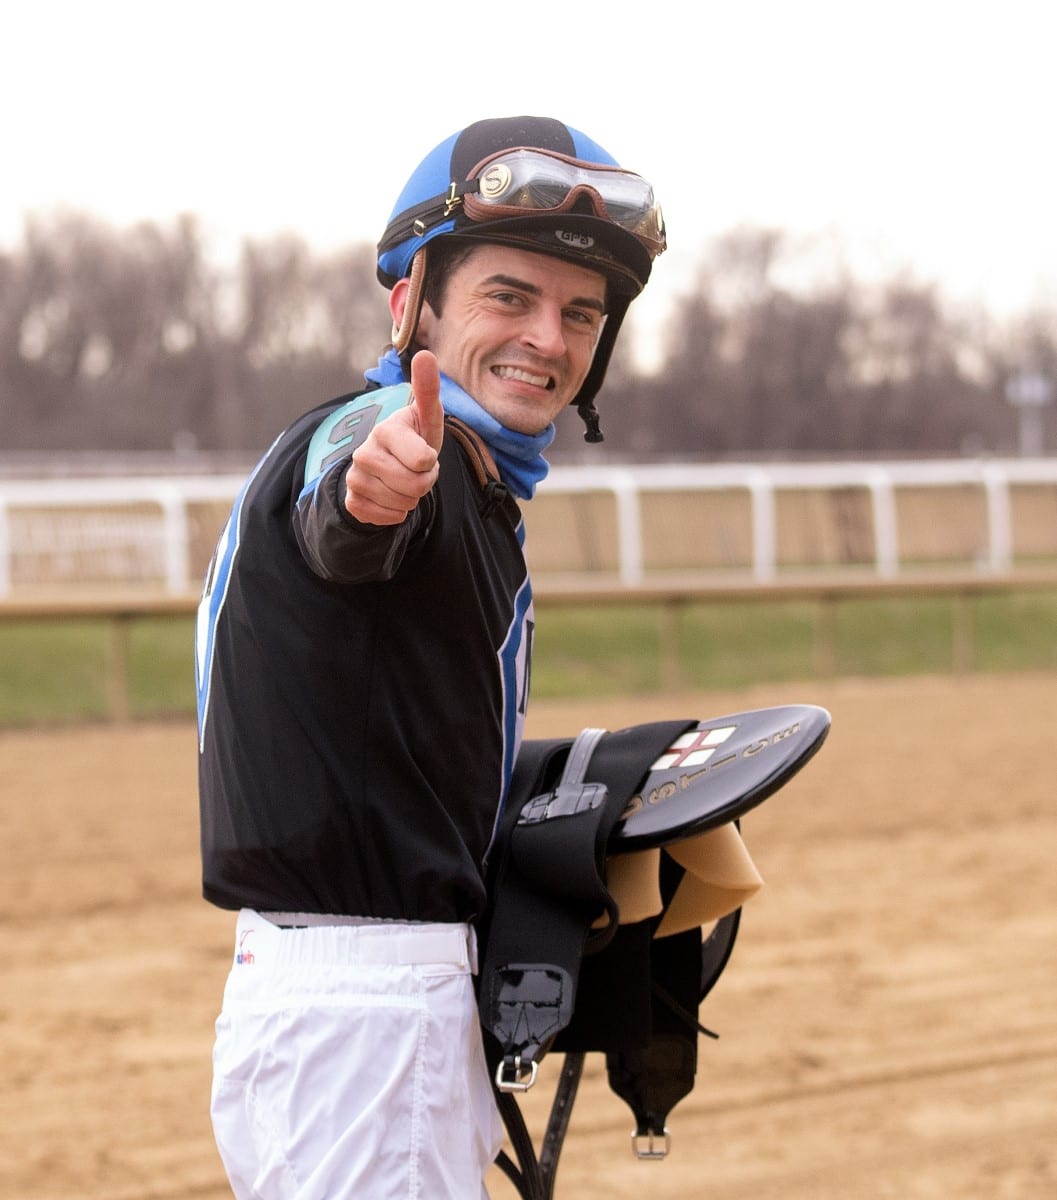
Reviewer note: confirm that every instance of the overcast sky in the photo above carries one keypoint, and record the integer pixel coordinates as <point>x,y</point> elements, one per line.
<point>918,135</point>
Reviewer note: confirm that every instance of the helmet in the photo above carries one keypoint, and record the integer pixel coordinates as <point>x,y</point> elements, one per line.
<point>535,184</point>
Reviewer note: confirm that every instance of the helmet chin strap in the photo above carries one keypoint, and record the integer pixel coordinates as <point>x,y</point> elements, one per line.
<point>404,333</point>
<point>589,416</point>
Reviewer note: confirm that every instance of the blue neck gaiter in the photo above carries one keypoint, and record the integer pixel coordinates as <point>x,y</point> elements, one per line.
<point>519,456</point>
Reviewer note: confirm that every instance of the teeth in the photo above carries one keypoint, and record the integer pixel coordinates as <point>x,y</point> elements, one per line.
<point>522,376</point>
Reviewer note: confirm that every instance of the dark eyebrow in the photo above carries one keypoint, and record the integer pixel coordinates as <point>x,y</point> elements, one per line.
<point>523,286</point>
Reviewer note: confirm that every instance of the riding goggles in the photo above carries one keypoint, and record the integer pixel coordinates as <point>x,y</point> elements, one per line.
<point>522,182</point>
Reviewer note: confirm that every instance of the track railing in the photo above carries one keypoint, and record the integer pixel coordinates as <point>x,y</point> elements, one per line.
<point>159,531</point>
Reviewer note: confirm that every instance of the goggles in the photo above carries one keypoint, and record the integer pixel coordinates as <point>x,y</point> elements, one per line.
<point>521,182</point>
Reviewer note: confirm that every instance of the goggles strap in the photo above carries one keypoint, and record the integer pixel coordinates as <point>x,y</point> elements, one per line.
<point>404,333</point>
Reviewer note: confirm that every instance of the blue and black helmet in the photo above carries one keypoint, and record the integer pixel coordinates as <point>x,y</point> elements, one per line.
<point>535,184</point>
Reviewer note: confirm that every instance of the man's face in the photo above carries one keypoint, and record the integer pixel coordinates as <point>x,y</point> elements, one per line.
<point>517,332</point>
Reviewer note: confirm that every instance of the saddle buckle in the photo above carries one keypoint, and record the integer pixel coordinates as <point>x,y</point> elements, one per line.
<point>644,1143</point>
<point>514,1076</point>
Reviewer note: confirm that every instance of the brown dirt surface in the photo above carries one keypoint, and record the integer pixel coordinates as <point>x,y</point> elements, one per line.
<point>887,1021</point>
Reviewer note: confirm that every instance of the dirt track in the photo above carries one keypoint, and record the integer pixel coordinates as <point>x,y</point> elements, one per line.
<point>888,1019</point>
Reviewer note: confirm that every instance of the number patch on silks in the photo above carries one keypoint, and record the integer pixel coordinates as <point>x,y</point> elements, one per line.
<point>714,773</point>
<point>342,433</point>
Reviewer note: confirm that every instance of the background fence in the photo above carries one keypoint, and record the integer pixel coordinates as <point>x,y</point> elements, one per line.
<point>597,527</point>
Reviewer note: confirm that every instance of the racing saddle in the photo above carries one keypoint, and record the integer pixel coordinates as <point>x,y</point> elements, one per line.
<point>616,882</point>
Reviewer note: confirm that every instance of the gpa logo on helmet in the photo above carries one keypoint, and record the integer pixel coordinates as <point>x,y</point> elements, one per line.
<point>574,240</point>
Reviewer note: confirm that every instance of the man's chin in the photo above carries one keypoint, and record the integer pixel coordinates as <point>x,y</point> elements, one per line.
<point>519,412</point>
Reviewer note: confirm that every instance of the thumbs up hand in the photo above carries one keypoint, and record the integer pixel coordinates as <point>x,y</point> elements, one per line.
<point>398,463</point>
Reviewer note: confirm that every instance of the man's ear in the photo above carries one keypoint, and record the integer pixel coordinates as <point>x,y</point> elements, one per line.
<point>406,330</point>
<point>405,303</point>
<point>398,301</point>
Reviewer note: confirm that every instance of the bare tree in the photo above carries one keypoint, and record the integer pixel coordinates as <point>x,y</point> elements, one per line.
<point>132,339</point>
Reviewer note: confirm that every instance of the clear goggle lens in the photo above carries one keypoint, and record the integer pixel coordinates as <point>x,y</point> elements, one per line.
<point>523,181</point>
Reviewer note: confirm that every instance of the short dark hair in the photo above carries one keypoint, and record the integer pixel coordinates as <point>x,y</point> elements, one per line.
<point>445,256</point>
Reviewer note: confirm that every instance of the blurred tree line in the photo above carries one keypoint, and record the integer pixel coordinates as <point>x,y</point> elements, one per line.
<point>133,340</point>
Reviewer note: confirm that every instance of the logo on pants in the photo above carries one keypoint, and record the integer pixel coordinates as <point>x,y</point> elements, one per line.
<point>244,955</point>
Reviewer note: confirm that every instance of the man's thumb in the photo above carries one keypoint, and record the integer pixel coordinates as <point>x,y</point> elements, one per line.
<point>425,388</point>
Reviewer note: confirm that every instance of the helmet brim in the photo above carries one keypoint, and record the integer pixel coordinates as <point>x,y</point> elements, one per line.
<point>574,237</point>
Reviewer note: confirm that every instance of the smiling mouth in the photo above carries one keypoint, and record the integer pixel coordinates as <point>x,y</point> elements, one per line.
<point>522,376</point>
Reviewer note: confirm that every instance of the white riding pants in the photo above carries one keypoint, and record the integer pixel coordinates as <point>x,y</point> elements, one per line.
<point>349,1063</point>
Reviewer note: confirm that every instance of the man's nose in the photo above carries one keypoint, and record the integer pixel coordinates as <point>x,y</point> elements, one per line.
<point>544,331</point>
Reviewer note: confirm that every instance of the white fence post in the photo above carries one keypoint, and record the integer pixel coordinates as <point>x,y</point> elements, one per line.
<point>885,523</point>
<point>764,539</point>
<point>5,550</point>
<point>999,518</point>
